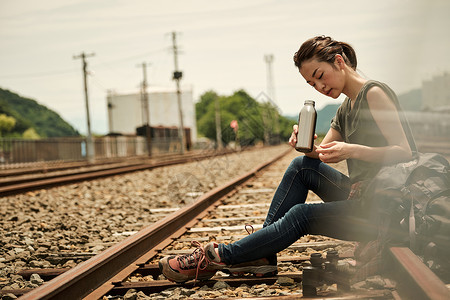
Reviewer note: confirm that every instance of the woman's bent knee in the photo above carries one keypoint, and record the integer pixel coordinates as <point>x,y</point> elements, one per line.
<point>300,162</point>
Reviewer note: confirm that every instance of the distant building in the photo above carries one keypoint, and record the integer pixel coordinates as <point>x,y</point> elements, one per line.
<point>436,93</point>
<point>127,112</point>
<point>429,123</point>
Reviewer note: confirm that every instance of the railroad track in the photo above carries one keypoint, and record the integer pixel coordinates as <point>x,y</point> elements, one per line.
<point>55,166</point>
<point>19,180</point>
<point>22,180</point>
<point>132,263</point>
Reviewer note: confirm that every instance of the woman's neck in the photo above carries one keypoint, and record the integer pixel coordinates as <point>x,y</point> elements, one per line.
<point>353,85</point>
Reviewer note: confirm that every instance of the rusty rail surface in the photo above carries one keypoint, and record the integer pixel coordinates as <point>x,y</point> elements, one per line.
<point>414,279</point>
<point>94,277</point>
<point>46,167</point>
<point>48,180</point>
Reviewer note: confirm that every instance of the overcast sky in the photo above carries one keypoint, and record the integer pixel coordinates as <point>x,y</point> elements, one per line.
<point>223,44</point>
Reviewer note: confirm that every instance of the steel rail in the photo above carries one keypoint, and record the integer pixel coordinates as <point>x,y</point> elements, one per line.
<point>21,186</point>
<point>93,278</point>
<point>49,167</point>
<point>147,269</point>
<point>15,180</point>
<point>414,279</point>
<point>53,166</point>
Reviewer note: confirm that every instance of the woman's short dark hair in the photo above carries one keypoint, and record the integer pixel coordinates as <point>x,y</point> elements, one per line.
<point>324,48</point>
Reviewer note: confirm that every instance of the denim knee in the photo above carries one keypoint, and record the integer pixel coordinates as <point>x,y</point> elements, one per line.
<point>302,162</point>
<point>328,183</point>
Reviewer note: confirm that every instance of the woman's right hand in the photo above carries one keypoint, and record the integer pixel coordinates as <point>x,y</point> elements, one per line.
<point>293,138</point>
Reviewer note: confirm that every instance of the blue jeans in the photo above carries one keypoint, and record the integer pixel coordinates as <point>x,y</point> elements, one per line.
<point>289,218</point>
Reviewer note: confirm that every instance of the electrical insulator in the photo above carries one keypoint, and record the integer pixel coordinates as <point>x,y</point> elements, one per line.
<point>177,75</point>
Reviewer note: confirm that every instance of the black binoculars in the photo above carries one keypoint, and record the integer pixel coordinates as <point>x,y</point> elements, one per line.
<point>324,271</point>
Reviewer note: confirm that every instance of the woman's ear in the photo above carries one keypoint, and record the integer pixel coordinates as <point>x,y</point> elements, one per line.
<point>339,61</point>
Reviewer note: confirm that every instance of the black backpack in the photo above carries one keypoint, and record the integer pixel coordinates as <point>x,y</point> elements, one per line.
<point>410,203</point>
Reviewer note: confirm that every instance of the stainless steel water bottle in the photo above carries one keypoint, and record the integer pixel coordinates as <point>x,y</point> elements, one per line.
<point>306,127</point>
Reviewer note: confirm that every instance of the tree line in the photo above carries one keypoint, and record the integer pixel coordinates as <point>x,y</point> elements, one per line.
<point>255,121</point>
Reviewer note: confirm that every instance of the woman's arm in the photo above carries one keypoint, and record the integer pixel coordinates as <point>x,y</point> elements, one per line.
<point>386,116</point>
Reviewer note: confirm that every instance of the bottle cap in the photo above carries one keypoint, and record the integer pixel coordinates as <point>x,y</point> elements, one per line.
<point>310,102</point>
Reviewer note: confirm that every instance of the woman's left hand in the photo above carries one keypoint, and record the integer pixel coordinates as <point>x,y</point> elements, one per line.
<point>333,152</point>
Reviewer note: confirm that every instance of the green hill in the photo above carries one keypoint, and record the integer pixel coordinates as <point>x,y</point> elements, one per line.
<point>411,101</point>
<point>30,114</point>
<point>324,117</point>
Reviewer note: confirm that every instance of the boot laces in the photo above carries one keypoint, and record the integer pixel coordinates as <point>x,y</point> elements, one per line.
<point>249,228</point>
<point>196,259</point>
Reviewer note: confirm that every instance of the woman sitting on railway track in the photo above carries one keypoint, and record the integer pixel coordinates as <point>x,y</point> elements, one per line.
<point>363,133</point>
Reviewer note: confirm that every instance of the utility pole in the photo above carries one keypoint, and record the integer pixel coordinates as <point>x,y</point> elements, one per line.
<point>90,145</point>
<point>110,108</point>
<point>271,89</point>
<point>145,104</point>
<point>270,86</point>
<point>218,128</point>
<point>177,77</point>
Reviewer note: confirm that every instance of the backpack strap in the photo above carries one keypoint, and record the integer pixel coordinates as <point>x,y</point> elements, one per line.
<point>412,226</point>
<point>412,144</point>
<point>405,124</point>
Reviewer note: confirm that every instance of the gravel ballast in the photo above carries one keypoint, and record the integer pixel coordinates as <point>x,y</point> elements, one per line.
<point>63,226</point>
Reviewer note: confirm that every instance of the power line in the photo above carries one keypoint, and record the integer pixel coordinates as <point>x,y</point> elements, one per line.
<point>133,57</point>
<point>40,74</point>
<point>98,83</point>
<point>68,71</point>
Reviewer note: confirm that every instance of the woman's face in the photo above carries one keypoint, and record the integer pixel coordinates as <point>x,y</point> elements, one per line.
<point>325,78</point>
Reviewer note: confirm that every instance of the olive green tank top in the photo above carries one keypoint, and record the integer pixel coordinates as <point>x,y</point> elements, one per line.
<point>357,126</point>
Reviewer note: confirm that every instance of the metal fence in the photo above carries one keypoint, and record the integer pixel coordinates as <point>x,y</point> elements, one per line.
<point>21,151</point>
